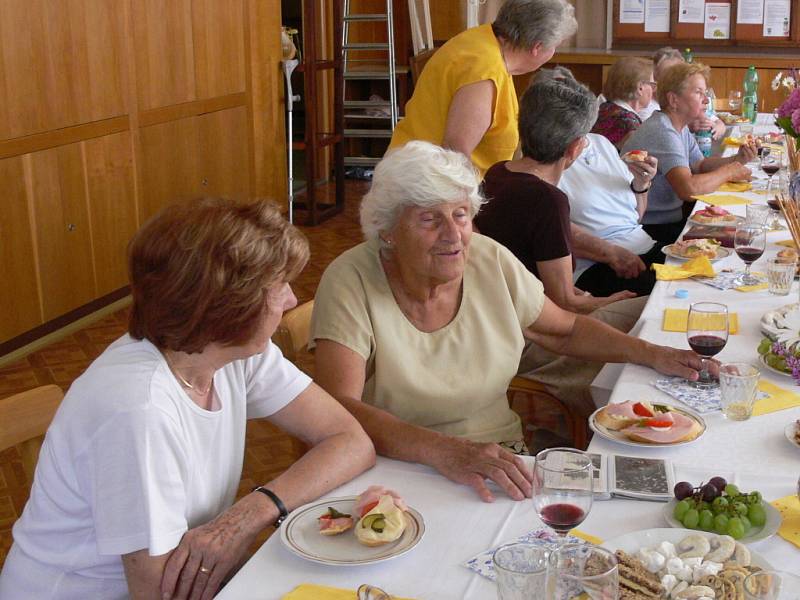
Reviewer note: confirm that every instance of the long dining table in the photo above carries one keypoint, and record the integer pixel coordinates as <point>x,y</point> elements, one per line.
<point>754,454</point>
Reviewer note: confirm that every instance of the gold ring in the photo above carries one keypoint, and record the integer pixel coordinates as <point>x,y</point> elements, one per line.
<point>205,571</point>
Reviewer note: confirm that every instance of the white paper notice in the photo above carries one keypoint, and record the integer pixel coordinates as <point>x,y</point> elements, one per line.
<point>776,18</point>
<point>718,21</point>
<point>690,11</point>
<point>656,15</point>
<point>750,12</point>
<point>631,11</point>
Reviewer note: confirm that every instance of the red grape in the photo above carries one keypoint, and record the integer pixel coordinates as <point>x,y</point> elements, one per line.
<point>718,482</point>
<point>709,491</point>
<point>683,489</point>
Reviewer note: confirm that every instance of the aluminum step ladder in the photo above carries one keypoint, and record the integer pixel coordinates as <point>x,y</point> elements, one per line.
<point>357,114</point>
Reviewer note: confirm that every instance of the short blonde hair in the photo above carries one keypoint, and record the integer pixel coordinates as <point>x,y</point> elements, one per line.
<point>200,271</point>
<point>676,78</point>
<point>624,77</point>
<point>418,174</point>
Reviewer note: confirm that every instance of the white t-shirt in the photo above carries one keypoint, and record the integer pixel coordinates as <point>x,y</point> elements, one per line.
<point>601,201</point>
<point>646,112</point>
<point>131,462</point>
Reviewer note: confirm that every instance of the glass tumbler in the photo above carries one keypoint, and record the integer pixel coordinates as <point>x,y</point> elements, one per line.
<point>737,382</point>
<point>521,571</point>
<point>582,571</point>
<point>780,275</point>
<point>772,585</point>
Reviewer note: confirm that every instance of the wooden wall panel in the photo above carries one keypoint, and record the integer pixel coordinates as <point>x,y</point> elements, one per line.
<point>19,309</point>
<point>60,64</point>
<point>112,206</point>
<point>218,34</point>
<point>63,242</point>
<point>163,48</point>
<point>223,161</point>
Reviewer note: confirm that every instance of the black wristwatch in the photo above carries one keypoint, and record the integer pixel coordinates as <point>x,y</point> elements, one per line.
<point>283,513</point>
<point>644,191</point>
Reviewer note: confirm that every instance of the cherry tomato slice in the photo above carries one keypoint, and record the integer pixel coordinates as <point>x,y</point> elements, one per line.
<point>368,507</point>
<point>656,422</point>
<point>641,410</point>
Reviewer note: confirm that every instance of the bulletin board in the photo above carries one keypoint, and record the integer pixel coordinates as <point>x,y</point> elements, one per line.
<point>744,36</point>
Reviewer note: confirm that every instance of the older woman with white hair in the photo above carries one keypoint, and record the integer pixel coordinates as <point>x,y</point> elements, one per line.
<point>465,98</point>
<point>419,329</point>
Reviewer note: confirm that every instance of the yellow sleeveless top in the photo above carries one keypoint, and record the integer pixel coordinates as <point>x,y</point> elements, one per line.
<point>471,56</point>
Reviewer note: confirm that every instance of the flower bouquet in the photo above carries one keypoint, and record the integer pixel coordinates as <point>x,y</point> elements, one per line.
<point>780,347</point>
<point>787,117</point>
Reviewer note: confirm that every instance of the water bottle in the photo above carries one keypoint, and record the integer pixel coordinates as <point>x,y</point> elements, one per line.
<point>710,106</point>
<point>750,100</point>
<point>687,55</point>
<point>704,142</point>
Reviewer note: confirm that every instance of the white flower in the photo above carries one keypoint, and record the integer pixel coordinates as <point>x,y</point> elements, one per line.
<point>789,83</point>
<point>786,328</point>
<point>776,83</point>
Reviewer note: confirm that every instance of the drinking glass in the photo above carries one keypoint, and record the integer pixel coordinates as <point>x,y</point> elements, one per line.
<point>737,383</point>
<point>757,214</point>
<point>563,485</point>
<point>780,275</point>
<point>772,585</point>
<point>582,571</point>
<point>749,243</point>
<point>735,100</point>
<point>707,334</point>
<point>770,164</point>
<point>521,571</point>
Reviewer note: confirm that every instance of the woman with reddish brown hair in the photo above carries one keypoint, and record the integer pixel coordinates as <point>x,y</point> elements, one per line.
<point>135,486</point>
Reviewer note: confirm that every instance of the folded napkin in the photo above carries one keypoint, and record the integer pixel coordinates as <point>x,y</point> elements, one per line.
<point>697,266</point>
<point>735,186</point>
<point>677,319</point>
<point>787,243</point>
<point>778,398</point>
<point>309,591</point>
<point>789,508</point>
<point>752,288</point>
<point>732,141</point>
<point>721,199</point>
<point>592,539</point>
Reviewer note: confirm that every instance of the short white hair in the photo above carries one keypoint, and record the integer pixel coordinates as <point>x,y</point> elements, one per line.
<point>418,174</point>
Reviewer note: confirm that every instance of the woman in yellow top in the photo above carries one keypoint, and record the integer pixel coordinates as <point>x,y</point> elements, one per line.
<point>465,98</point>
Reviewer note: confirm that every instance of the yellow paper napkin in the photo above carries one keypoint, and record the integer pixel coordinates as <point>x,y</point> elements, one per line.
<point>779,399</point>
<point>309,591</point>
<point>721,199</point>
<point>697,266</point>
<point>789,507</point>
<point>677,319</point>
<point>787,243</point>
<point>732,141</point>
<point>735,186</point>
<point>752,288</point>
<point>592,539</point>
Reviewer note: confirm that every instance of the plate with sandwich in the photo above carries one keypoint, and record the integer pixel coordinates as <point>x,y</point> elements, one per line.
<point>686,249</point>
<point>715,216</point>
<point>646,425</point>
<point>374,526</point>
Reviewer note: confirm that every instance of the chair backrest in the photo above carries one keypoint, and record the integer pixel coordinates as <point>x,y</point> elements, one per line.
<point>418,62</point>
<point>293,332</point>
<point>25,418</point>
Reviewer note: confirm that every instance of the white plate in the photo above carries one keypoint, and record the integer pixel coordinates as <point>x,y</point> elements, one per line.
<point>756,534</point>
<point>721,253</point>
<point>300,534</point>
<point>616,436</point>
<point>789,432</point>
<point>764,364</point>
<point>772,321</point>
<point>732,223</point>
<point>633,542</point>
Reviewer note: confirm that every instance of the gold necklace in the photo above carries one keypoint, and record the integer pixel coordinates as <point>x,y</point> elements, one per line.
<point>183,380</point>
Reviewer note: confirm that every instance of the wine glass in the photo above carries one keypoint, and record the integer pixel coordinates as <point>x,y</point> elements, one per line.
<point>749,241</point>
<point>735,100</point>
<point>707,334</point>
<point>583,571</point>
<point>563,485</point>
<point>771,585</point>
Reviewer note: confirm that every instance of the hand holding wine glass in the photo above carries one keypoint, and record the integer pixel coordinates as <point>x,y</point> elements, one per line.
<point>749,241</point>
<point>707,334</point>
<point>563,488</point>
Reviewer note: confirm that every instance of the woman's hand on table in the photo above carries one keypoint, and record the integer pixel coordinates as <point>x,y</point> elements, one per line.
<point>471,463</point>
<point>643,172</point>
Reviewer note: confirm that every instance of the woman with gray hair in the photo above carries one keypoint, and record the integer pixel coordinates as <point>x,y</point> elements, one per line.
<point>628,88</point>
<point>419,329</point>
<point>465,98</point>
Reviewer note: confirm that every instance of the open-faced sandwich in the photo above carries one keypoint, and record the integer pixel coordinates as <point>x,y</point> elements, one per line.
<point>382,516</point>
<point>693,248</point>
<point>333,522</point>
<point>714,215</point>
<point>635,156</point>
<point>648,423</point>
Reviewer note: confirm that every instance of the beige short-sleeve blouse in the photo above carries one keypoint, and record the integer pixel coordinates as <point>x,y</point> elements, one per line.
<point>452,380</point>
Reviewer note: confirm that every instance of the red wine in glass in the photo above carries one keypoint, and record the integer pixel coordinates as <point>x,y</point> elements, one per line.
<point>749,241</point>
<point>706,345</point>
<point>770,168</point>
<point>749,254</point>
<point>773,204</point>
<point>562,517</point>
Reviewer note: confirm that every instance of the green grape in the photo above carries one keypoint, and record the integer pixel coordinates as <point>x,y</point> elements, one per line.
<point>719,504</point>
<point>764,346</point>
<point>706,520</point>
<point>721,524</point>
<point>746,522</point>
<point>680,509</point>
<point>691,518</point>
<point>757,515</point>
<point>731,490</point>
<point>735,528</point>
<point>754,498</point>
<point>776,362</point>
<point>703,505</point>
<point>740,508</point>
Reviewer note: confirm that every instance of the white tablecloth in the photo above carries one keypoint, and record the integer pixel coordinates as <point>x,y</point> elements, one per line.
<point>754,453</point>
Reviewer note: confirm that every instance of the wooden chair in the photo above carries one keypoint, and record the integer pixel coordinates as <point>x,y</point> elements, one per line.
<point>526,395</point>
<point>25,418</point>
<point>293,332</point>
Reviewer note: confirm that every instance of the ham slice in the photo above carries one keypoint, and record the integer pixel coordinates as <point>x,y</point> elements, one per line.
<point>683,428</point>
<point>622,410</point>
<point>328,526</point>
<point>372,495</point>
